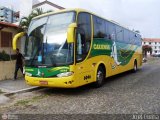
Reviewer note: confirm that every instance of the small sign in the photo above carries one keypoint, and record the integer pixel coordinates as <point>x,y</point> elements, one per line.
<point>40,58</point>
<point>43,82</point>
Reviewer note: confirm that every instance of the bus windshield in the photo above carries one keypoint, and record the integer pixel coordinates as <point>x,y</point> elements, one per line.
<point>46,44</point>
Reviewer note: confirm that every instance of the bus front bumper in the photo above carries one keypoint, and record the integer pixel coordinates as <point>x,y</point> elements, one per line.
<point>63,82</point>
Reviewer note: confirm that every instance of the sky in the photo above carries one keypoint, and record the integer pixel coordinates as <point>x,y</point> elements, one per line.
<point>142,15</point>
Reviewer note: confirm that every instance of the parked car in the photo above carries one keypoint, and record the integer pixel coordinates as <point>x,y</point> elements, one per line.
<point>156,55</point>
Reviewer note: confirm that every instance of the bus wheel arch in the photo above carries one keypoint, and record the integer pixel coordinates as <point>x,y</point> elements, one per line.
<point>100,75</point>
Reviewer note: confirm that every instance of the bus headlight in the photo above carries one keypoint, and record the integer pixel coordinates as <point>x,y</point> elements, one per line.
<point>65,74</point>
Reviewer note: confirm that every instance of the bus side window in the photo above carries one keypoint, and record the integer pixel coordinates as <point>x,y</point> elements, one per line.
<point>83,36</point>
<point>110,30</point>
<point>99,27</point>
<point>126,36</point>
<point>119,33</point>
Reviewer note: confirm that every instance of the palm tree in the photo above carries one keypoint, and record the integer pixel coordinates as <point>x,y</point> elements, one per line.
<point>25,21</point>
<point>37,11</point>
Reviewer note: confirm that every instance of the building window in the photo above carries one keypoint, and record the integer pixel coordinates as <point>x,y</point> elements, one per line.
<point>6,39</point>
<point>155,42</point>
<point>155,47</point>
<point>155,51</point>
<point>150,43</point>
<point>144,42</point>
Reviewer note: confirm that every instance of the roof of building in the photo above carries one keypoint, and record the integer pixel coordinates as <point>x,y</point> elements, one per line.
<point>47,2</point>
<point>5,24</point>
<point>151,39</point>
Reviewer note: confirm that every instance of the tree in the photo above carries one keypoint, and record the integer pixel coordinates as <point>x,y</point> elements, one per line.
<point>145,49</point>
<point>25,21</point>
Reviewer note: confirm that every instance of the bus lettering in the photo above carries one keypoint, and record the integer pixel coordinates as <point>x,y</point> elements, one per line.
<point>101,47</point>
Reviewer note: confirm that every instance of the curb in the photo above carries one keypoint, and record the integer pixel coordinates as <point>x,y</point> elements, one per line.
<point>22,91</point>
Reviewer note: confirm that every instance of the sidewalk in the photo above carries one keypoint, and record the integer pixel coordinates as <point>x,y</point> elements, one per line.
<point>9,86</point>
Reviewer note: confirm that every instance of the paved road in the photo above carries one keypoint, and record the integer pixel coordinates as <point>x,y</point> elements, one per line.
<point>127,93</point>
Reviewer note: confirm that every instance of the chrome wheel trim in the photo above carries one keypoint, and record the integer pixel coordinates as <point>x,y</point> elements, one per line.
<point>100,76</point>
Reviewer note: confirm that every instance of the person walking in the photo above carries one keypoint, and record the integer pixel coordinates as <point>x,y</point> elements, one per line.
<point>19,63</point>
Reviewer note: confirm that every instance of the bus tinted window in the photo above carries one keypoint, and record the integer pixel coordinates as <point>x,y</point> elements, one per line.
<point>111,30</point>
<point>132,39</point>
<point>119,33</point>
<point>126,36</point>
<point>138,39</point>
<point>99,27</point>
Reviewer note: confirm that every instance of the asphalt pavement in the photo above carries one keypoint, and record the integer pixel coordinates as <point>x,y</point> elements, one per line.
<point>127,93</point>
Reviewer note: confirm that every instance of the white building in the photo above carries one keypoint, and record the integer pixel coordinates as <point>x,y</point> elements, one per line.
<point>28,5</point>
<point>47,6</point>
<point>154,43</point>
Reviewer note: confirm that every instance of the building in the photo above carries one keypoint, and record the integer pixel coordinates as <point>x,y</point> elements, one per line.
<point>7,32</point>
<point>47,6</point>
<point>8,15</point>
<point>154,43</point>
<point>28,5</point>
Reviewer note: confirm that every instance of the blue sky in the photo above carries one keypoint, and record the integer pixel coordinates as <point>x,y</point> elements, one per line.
<point>142,15</point>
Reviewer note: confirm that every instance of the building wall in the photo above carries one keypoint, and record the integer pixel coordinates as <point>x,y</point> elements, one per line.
<point>7,70</point>
<point>9,50</point>
<point>155,46</point>
<point>7,15</point>
<point>46,7</point>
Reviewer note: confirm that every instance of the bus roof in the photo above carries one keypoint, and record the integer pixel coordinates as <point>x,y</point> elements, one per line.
<point>82,10</point>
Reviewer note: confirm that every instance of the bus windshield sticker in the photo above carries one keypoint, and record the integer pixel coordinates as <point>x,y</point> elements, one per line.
<point>40,58</point>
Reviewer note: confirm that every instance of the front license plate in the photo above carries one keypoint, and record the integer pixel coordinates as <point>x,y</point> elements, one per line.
<point>43,82</point>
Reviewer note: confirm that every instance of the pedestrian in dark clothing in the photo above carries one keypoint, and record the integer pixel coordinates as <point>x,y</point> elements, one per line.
<point>19,63</point>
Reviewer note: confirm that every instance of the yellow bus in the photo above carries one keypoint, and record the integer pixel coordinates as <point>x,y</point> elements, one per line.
<point>74,47</point>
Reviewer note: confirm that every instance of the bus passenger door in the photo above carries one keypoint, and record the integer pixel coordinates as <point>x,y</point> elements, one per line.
<point>84,71</point>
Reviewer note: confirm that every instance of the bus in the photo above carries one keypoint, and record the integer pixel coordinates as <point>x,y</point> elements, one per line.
<point>73,47</point>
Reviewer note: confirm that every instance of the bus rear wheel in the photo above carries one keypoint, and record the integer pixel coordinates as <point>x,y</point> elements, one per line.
<point>99,77</point>
<point>135,66</point>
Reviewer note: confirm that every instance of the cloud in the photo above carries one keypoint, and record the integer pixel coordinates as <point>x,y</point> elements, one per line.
<point>142,15</point>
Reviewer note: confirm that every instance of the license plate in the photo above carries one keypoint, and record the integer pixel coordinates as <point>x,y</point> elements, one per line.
<point>43,82</point>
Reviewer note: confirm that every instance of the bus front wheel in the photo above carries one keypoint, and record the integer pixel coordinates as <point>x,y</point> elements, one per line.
<point>99,77</point>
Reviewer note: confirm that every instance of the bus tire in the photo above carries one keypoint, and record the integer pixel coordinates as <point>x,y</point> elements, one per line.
<point>100,76</point>
<point>135,66</point>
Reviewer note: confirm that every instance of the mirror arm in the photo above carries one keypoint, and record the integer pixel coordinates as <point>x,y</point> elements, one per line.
<point>15,38</point>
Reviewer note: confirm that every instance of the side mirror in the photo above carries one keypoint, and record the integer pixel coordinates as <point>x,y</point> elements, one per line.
<point>15,38</point>
<point>71,32</point>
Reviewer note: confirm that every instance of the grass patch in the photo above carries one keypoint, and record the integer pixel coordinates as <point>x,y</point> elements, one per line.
<point>38,97</point>
<point>28,101</point>
<point>22,103</point>
<point>1,91</point>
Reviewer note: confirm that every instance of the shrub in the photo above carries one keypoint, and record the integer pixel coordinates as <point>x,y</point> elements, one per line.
<point>5,57</point>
